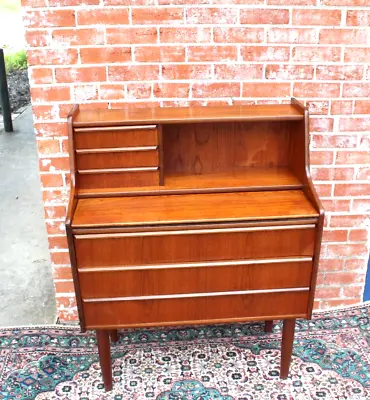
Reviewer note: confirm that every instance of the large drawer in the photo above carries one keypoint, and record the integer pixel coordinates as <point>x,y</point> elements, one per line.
<point>178,246</point>
<point>209,309</point>
<point>201,277</point>
<point>123,136</point>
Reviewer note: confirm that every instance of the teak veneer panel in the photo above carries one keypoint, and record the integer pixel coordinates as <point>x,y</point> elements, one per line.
<point>195,310</point>
<point>268,112</point>
<point>210,207</point>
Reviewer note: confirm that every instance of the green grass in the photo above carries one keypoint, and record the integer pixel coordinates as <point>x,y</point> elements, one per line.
<point>10,5</point>
<point>15,61</point>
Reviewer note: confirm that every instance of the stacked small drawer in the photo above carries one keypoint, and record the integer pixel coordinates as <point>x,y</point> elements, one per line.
<point>117,156</point>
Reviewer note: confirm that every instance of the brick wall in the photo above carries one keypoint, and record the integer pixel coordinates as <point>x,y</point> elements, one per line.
<point>121,53</point>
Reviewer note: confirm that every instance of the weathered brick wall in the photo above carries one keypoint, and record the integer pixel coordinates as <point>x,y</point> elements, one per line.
<point>121,53</point>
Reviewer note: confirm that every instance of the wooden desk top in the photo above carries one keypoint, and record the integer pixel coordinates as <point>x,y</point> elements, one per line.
<point>264,112</point>
<point>191,208</point>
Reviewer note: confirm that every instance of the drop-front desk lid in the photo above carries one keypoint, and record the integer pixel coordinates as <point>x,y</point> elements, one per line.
<point>192,208</point>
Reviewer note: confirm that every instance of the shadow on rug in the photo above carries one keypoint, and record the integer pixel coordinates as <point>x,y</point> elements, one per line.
<point>221,362</point>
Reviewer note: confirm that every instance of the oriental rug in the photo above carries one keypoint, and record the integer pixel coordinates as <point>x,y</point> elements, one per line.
<point>331,360</point>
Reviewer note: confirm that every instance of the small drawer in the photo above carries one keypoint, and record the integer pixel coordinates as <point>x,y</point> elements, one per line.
<point>207,309</point>
<point>179,246</point>
<point>195,278</point>
<point>121,136</point>
<point>146,157</point>
<point>118,178</point>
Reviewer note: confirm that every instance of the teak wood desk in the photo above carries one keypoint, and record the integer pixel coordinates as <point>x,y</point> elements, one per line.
<point>192,216</point>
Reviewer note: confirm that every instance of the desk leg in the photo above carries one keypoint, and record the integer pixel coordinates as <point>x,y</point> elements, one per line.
<point>113,335</point>
<point>105,358</point>
<point>268,326</point>
<point>286,347</point>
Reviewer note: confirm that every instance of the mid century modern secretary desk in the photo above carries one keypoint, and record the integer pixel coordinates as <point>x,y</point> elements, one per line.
<point>192,216</point>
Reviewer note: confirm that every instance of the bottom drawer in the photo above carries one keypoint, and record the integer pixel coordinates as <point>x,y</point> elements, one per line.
<point>193,310</point>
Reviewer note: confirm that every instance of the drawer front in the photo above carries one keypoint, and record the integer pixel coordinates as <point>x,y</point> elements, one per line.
<point>210,309</point>
<point>95,138</point>
<point>122,159</point>
<point>188,278</point>
<point>143,248</point>
<point>116,179</point>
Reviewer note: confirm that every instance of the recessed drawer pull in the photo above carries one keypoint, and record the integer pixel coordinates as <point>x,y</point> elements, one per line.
<point>193,232</point>
<point>193,295</point>
<point>116,170</point>
<point>197,264</point>
<point>116,150</point>
<point>115,128</point>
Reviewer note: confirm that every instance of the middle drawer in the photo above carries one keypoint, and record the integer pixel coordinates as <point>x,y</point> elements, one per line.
<point>195,278</point>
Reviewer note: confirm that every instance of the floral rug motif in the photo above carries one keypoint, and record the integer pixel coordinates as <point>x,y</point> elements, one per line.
<point>331,360</point>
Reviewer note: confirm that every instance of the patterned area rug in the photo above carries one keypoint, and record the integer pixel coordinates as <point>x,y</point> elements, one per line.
<point>221,362</point>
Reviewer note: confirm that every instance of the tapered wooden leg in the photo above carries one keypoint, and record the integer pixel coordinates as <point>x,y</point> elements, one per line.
<point>113,335</point>
<point>105,358</point>
<point>286,347</point>
<point>268,326</point>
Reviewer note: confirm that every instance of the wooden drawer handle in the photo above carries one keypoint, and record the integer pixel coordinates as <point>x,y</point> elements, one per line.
<point>116,128</point>
<point>116,170</point>
<point>116,150</point>
<point>194,232</point>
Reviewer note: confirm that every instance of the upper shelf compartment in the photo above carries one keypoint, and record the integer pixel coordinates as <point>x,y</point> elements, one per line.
<point>268,112</point>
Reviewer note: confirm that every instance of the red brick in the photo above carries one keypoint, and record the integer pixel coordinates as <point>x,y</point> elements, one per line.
<point>354,124</point>
<point>354,189</point>
<point>340,303</point>
<point>339,107</point>
<point>88,74</point>
<point>323,189</point>
<point>331,264</point>
<point>264,16</point>
<point>64,286</point>
<point>217,89</point>
<point>54,196</point>
<point>363,174</point>
<point>318,107</point>
<point>51,180</point>
<point>133,73</point>
<point>50,93</point>
<point>55,227</point>
<point>39,38</point>
<point>334,141</point>
<point>112,92</point>
<point>343,278</point>
<point>50,57</point>
<point>171,90</point>
<point>265,53</point>
<point>187,71</point>
<point>238,71</point>
<point>316,54</point>
<point>139,90</point>
<point>163,15</point>
<point>358,54</point>
<point>335,235</point>
<point>55,212</point>
<point>60,272</point>
<point>71,3</point>
<point>78,37</point>
<point>292,35</point>
<point>41,75</point>
<point>353,291</point>
<point>316,17</point>
<point>45,112</point>
<point>359,235</point>
<point>327,292</point>
<point>102,16</point>
<point>105,55</point>
<point>242,2</point>
<point>322,157</point>
<point>49,18</point>
<point>356,264</point>
<point>212,53</point>
<point>358,17</point>
<point>291,2</point>
<point>54,164</point>
<point>329,174</point>
<point>343,36</point>
<point>47,146</point>
<point>51,129</point>
<point>322,125</point>
<point>130,35</point>
<point>160,54</point>
<point>353,3</point>
<point>353,157</point>
<point>310,89</point>
<point>361,205</point>
<point>68,315</point>
<point>336,205</point>
<point>211,15</point>
<point>238,35</point>
<point>347,221</point>
<point>184,35</point>
<point>289,72</point>
<point>266,89</point>
<point>34,3</point>
<point>65,302</point>
<point>339,72</point>
<point>362,107</point>
<point>82,93</point>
